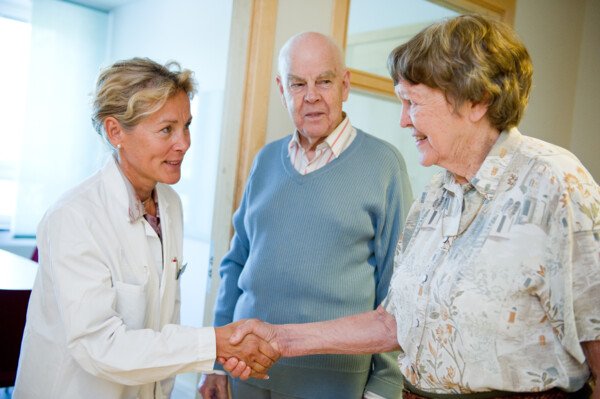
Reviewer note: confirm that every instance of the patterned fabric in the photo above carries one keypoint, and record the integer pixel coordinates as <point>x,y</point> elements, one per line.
<point>496,283</point>
<point>327,151</point>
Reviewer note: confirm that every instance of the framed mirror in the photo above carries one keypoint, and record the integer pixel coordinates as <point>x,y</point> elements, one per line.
<point>370,29</point>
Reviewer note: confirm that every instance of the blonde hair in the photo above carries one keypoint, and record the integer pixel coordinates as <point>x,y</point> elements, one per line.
<point>130,90</point>
<point>470,58</point>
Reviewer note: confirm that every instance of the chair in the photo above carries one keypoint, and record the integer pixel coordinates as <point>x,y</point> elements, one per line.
<point>35,254</point>
<point>13,309</point>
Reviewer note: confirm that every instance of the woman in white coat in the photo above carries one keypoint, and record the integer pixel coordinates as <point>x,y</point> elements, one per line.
<point>103,318</point>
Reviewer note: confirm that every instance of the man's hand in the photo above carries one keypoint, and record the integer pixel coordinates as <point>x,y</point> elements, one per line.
<point>252,351</point>
<point>214,386</point>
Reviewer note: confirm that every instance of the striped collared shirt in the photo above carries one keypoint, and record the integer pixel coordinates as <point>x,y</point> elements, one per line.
<point>337,141</point>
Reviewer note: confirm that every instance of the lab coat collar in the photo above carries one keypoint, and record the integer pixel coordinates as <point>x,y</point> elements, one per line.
<point>125,193</point>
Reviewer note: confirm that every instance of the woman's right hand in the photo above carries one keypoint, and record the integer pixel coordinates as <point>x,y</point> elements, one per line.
<point>214,386</point>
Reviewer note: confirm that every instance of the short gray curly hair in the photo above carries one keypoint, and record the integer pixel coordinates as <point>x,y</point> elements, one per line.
<point>470,58</point>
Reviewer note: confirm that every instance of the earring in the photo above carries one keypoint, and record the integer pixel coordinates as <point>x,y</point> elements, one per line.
<point>119,146</point>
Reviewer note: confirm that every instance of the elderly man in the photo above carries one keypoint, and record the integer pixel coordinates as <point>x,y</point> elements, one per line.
<point>315,232</point>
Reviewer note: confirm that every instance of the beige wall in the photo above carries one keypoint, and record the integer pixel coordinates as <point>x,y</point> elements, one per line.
<point>585,136</point>
<point>563,38</point>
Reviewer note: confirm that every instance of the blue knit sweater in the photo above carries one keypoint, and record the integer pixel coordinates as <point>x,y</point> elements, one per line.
<point>318,247</point>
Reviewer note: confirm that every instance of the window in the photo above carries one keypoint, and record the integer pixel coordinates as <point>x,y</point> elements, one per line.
<point>13,97</point>
<point>68,43</point>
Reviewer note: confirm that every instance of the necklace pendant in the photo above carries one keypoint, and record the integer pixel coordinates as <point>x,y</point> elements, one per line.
<point>447,244</point>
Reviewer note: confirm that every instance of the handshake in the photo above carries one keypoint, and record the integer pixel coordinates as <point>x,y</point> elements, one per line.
<point>247,348</point>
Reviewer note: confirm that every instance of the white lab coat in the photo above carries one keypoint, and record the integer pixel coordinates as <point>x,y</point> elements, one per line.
<point>101,322</point>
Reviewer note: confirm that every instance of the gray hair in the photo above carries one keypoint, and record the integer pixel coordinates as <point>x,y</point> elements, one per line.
<point>470,58</point>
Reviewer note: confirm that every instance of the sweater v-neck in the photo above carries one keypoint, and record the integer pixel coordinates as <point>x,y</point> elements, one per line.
<point>300,178</point>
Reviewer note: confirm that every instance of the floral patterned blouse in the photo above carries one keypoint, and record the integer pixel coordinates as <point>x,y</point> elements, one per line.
<point>497,282</point>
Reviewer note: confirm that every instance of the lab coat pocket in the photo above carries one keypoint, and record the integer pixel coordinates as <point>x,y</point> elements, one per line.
<point>131,304</point>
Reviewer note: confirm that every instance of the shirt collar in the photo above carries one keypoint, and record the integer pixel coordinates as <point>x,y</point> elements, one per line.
<point>487,179</point>
<point>335,140</point>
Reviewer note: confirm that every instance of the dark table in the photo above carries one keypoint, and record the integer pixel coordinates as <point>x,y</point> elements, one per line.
<point>17,275</point>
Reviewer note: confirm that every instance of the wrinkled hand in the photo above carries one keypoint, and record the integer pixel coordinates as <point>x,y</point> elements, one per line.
<point>214,386</point>
<point>255,355</point>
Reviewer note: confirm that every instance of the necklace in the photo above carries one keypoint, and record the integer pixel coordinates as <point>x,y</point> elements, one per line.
<point>149,206</point>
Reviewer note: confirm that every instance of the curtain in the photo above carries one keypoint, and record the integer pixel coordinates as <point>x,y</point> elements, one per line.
<point>60,147</point>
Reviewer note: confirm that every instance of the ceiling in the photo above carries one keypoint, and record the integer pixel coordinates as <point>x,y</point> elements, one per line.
<point>16,8</point>
<point>103,5</point>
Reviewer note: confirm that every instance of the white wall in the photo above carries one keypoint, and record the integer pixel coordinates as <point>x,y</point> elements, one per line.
<point>193,32</point>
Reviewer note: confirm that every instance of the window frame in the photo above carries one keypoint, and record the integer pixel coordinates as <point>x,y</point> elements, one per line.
<point>383,86</point>
<point>21,13</point>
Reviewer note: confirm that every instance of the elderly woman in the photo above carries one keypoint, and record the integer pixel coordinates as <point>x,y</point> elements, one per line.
<point>104,312</point>
<point>496,286</point>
